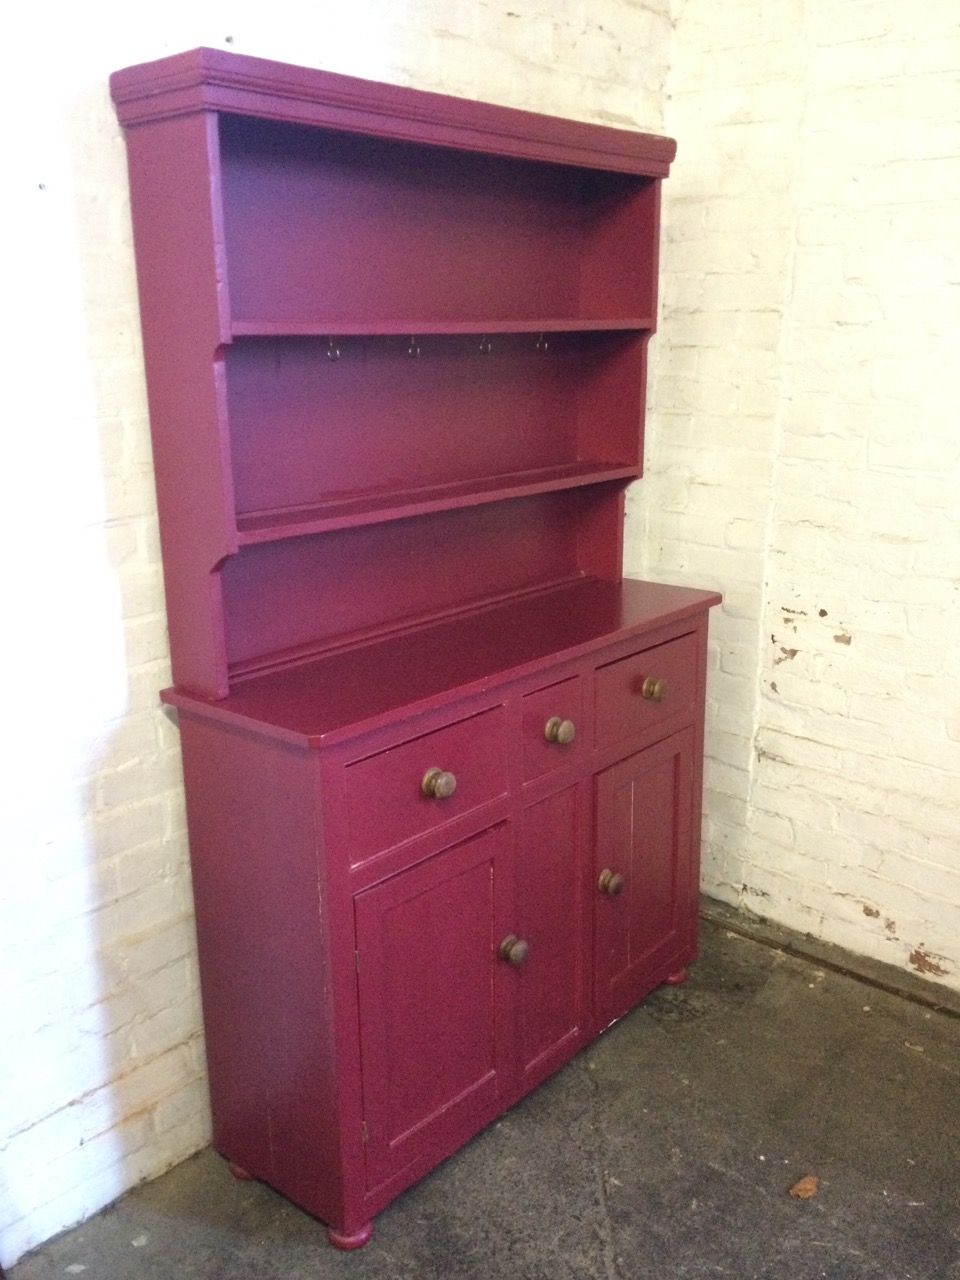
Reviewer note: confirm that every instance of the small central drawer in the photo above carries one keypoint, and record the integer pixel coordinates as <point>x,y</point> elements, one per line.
<point>424,782</point>
<point>552,724</point>
<point>636,693</point>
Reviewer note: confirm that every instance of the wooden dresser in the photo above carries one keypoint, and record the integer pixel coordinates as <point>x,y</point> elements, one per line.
<point>442,763</point>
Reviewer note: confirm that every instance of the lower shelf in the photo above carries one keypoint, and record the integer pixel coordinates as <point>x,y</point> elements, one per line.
<point>351,510</point>
<point>314,700</point>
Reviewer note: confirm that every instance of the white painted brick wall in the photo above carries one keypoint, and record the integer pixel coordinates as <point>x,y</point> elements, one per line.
<point>101,1074</point>
<point>816,195</point>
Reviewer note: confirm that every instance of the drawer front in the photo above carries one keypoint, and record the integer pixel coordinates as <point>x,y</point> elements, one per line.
<point>385,796</point>
<point>552,728</point>
<point>638,692</point>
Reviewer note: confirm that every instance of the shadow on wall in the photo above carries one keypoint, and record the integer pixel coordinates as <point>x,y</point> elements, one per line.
<point>103,1078</point>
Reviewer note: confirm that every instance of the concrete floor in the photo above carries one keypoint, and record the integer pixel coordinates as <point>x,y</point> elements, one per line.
<point>666,1150</point>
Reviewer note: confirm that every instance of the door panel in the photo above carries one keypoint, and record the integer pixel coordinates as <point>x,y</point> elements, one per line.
<point>549,915</point>
<point>427,970</point>
<point>644,836</point>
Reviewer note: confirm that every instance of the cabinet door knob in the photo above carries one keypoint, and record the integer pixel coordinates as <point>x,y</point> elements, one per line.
<point>561,731</point>
<point>654,689</point>
<point>610,882</point>
<point>439,784</point>
<point>513,949</point>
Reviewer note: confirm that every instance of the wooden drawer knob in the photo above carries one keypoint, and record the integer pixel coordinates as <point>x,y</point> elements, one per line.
<point>654,689</point>
<point>610,882</point>
<point>561,731</point>
<point>514,950</point>
<point>439,784</point>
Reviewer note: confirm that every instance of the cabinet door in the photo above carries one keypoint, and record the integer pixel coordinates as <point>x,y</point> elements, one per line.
<point>430,1039</point>
<point>645,881</point>
<point>549,985</point>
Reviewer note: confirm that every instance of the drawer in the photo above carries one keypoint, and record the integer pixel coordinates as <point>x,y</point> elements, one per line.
<point>552,727</point>
<point>385,797</point>
<point>638,692</point>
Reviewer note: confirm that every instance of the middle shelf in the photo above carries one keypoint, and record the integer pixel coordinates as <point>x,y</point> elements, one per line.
<point>327,433</point>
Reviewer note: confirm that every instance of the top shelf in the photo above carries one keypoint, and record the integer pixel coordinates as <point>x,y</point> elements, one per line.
<point>327,234</point>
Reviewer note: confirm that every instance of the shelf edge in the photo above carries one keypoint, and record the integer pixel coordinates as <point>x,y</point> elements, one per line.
<point>270,529</point>
<point>245,327</point>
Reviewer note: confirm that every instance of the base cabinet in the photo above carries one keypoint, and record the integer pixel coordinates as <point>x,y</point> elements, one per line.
<point>405,929</point>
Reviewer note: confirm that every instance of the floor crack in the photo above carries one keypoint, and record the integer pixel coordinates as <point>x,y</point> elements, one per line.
<point>605,1231</point>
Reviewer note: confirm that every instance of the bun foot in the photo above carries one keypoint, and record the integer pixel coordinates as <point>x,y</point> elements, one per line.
<point>674,979</point>
<point>350,1239</point>
<point>239,1173</point>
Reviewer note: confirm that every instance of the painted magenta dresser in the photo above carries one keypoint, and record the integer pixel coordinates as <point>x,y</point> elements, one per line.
<point>442,762</point>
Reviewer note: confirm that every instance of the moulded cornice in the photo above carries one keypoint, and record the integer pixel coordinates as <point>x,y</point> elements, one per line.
<point>216,80</point>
